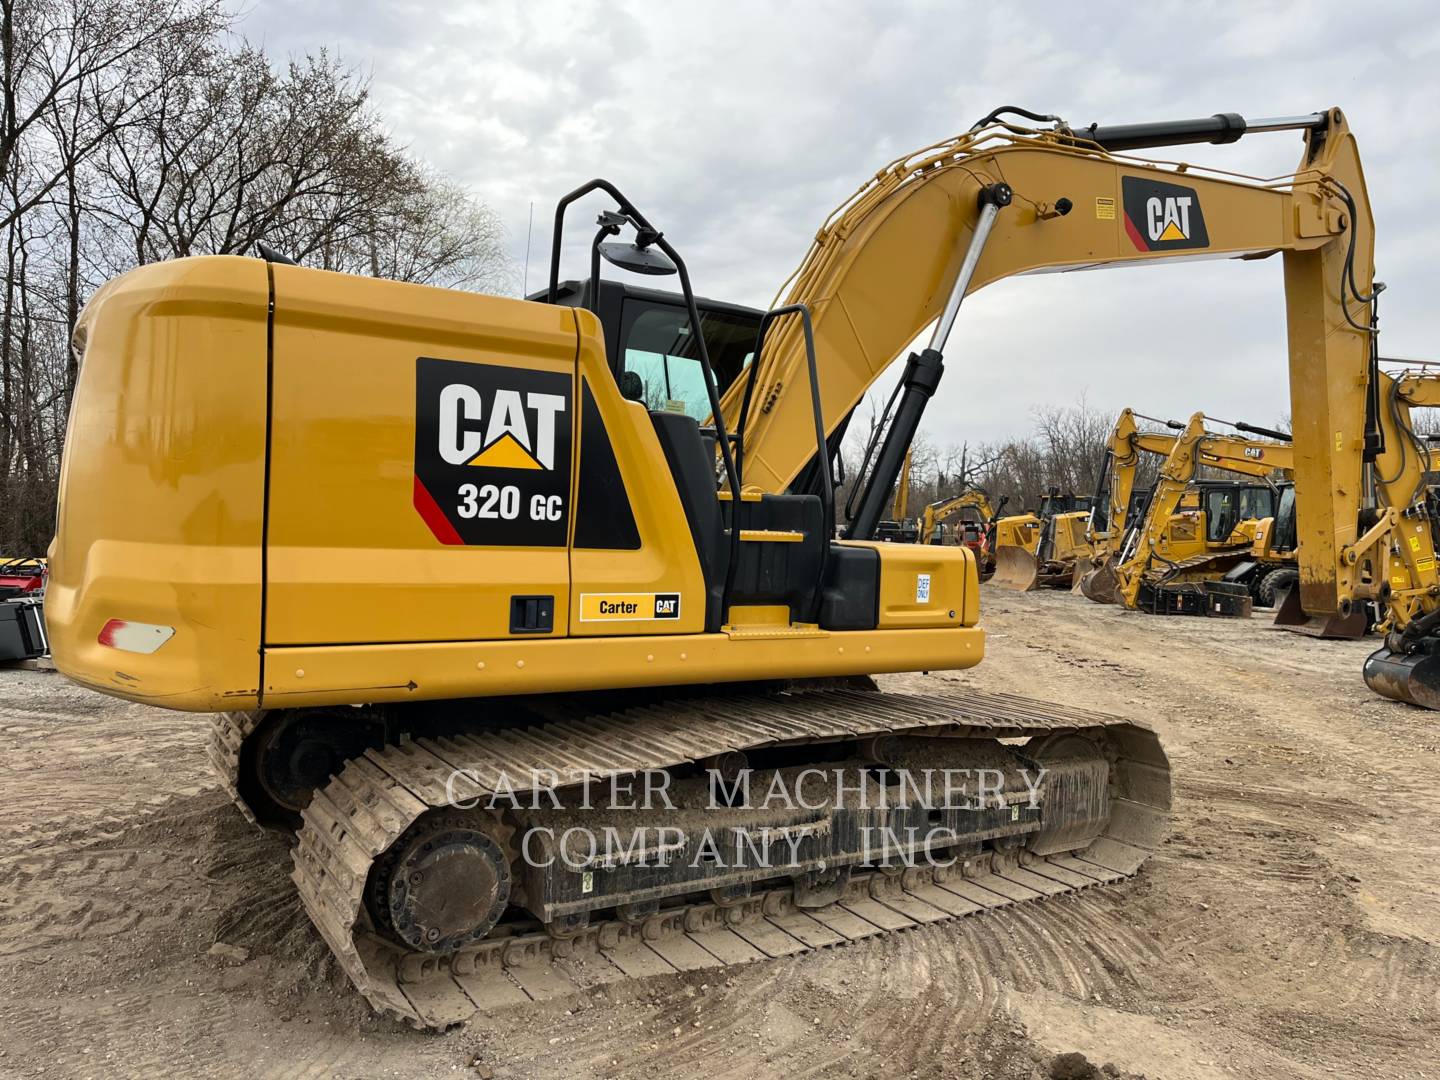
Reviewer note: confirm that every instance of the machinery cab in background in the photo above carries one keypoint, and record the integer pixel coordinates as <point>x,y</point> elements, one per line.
<point>1232,511</point>
<point>898,532</point>
<point>22,614</point>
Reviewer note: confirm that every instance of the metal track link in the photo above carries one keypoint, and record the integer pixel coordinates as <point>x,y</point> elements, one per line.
<point>228,732</point>
<point>362,812</point>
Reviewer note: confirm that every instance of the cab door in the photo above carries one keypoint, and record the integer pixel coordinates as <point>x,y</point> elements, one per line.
<point>420,466</point>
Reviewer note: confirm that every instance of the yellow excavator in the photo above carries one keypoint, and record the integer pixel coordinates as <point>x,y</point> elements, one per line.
<point>937,513</point>
<point>574,599</point>
<point>1042,548</point>
<point>1174,558</point>
<point>1394,558</point>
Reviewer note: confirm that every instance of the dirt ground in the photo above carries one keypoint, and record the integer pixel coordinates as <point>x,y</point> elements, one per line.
<point>1290,926</point>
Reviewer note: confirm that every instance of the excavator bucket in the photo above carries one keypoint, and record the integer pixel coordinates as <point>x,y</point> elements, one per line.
<point>1016,568</point>
<point>1414,678</point>
<point>1291,616</point>
<point>1099,584</point>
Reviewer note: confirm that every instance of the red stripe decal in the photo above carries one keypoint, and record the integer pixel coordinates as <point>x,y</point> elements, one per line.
<point>433,516</point>
<point>1135,234</point>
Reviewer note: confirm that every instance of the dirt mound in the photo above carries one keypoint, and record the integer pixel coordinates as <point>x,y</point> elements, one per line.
<point>1076,1066</point>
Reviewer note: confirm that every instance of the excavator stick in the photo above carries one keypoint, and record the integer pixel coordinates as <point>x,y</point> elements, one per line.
<point>1016,569</point>
<point>1291,616</point>
<point>1414,678</point>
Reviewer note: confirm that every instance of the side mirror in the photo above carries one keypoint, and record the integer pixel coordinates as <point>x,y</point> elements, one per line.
<point>632,387</point>
<point>636,259</point>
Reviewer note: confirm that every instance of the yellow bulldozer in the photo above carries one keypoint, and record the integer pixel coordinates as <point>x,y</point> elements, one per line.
<point>575,605</point>
<point>1041,548</point>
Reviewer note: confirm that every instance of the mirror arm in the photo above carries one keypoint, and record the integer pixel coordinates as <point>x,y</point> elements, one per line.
<point>643,228</point>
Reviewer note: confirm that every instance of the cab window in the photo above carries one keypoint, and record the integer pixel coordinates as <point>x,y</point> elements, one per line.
<point>661,349</point>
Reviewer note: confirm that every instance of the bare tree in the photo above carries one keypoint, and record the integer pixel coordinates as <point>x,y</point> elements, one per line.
<point>139,130</point>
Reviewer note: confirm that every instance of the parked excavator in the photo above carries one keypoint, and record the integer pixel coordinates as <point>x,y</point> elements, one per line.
<point>579,600</point>
<point>975,529</point>
<point>937,514</point>
<point>1042,547</point>
<point>1200,561</point>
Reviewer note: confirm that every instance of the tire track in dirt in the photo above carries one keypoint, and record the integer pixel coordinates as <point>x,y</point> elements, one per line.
<point>1280,967</point>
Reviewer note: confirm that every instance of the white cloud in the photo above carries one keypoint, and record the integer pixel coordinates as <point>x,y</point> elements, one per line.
<point>737,127</point>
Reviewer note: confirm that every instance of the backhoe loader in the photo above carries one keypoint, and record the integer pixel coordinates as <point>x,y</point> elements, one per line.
<point>1116,499</point>
<point>1173,560</point>
<point>581,605</point>
<point>1043,547</point>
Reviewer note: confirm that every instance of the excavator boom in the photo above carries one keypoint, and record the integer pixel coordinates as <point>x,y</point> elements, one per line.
<point>888,261</point>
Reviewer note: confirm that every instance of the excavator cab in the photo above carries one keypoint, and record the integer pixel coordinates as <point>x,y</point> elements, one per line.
<point>647,332</point>
<point>1233,507</point>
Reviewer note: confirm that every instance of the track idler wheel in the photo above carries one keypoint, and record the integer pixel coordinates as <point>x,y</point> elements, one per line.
<point>444,884</point>
<point>1414,678</point>
<point>295,751</point>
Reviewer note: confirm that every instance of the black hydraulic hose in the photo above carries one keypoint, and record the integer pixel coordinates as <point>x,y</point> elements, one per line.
<point>870,451</point>
<point>1016,110</point>
<point>1347,273</point>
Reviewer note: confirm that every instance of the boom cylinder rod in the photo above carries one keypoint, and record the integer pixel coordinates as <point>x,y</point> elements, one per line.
<point>922,376</point>
<point>989,211</point>
<point>1220,128</point>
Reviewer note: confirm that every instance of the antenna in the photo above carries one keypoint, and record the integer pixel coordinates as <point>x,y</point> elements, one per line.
<point>529,229</point>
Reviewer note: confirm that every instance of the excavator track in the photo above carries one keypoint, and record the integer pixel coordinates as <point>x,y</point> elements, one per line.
<point>365,810</point>
<point>228,732</point>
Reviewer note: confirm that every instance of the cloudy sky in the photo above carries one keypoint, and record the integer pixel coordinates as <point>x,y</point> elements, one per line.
<point>738,126</point>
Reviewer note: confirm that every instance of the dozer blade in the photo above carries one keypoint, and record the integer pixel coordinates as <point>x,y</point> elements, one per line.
<point>1414,678</point>
<point>1017,569</point>
<point>1291,616</point>
<point>1100,584</point>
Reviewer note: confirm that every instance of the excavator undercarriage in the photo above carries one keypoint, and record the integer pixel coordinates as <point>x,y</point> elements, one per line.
<point>779,819</point>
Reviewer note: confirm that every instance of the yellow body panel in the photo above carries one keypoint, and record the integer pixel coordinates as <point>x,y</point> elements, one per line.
<point>1070,536</point>
<point>1019,530</point>
<point>162,487</point>
<point>338,675</point>
<point>926,585</point>
<point>350,560</point>
<point>374,593</point>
